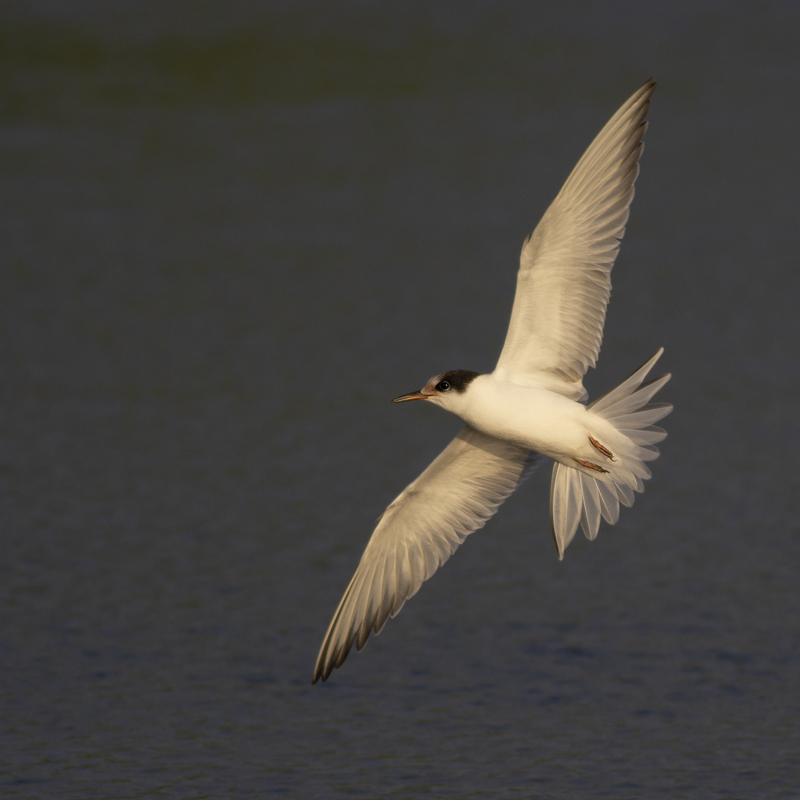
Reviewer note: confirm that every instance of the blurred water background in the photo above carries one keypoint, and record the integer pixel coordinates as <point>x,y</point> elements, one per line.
<point>230,234</point>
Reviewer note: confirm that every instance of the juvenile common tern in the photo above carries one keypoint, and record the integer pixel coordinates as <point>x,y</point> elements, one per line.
<point>532,405</point>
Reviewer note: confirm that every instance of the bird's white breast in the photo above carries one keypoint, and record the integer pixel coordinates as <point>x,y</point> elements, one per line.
<point>529,416</point>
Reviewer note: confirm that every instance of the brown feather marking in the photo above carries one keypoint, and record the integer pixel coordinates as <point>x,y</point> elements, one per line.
<point>604,450</point>
<point>589,465</point>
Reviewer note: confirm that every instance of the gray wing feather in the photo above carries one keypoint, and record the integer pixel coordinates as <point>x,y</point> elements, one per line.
<point>457,494</point>
<point>564,280</point>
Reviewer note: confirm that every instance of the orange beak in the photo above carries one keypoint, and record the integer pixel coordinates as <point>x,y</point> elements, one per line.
<point>413,396</point>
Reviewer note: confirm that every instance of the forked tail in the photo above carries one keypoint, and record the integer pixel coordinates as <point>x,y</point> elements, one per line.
<point>577,498</point>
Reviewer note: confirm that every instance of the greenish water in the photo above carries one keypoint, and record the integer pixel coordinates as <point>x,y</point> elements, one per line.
<point>231,233</point>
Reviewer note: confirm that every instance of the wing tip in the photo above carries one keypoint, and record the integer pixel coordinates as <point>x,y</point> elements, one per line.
<point>647,88</point>
<point>320,673</point>
<point>327,662</point>
<point>323,667</point>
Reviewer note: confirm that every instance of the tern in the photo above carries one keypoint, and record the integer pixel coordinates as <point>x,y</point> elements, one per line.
<point>533,406</point>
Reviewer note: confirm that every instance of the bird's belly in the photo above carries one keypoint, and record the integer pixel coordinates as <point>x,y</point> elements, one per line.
<point>537,420</point>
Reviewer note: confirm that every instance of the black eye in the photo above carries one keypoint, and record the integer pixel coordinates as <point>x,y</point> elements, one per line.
<point>442,386</point>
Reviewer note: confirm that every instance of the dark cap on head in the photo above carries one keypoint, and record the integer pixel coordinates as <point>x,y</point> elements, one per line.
<point>459,379</point>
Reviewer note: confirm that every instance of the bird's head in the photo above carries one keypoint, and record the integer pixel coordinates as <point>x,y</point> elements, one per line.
<point>447,390</point>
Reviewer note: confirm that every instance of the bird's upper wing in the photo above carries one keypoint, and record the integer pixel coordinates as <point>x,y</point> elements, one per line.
<point>419,531</point>
<point>564,279</point>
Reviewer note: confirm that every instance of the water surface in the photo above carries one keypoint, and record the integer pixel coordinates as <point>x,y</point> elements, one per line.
<point>230,235</point>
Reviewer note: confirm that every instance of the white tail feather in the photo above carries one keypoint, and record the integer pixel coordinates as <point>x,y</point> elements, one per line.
<point>579,498</point>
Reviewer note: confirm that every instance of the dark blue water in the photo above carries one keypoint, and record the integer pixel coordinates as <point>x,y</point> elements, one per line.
<point>230,234</point>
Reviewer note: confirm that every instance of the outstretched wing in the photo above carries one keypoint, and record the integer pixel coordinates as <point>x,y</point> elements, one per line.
<point>564,279</point>
<point>419,531</point>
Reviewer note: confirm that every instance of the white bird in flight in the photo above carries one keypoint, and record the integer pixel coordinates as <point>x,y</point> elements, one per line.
<point>532,405</point>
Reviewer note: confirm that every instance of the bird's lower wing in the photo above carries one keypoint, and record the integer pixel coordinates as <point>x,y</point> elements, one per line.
<point>419,531</point>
